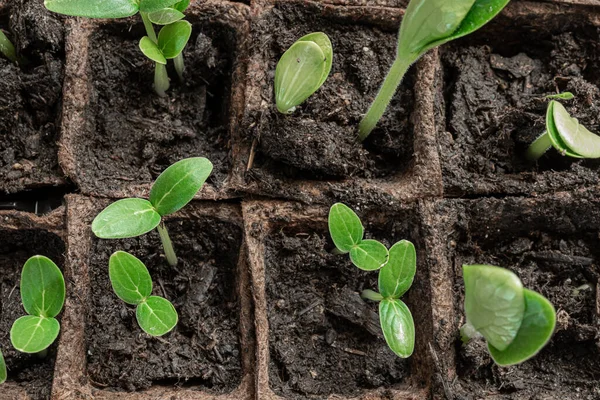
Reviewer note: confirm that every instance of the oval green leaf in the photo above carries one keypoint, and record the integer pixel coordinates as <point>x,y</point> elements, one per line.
<point>173,38</point>
<point>396,277</point>
<point>178,184</point>
<point>182,5</point>
<point>7,49</point>
<point>398,326</point>
<point>126,218</point>
<point>42,287</point>
<point>2,369</point>
<point>32,334</point>
<point>369,255</point>
<point>156,316</point>
<point>535,331</point>
<point>94,8</point>
<point>165,16</point>
<point>151,50</point>
<point>554,135</point>
<point>345,227</point>
<point>494,303</point>
<point>129,278</point>
<point>576,137</point>
<point>322,40</point>
<point>149,6</point>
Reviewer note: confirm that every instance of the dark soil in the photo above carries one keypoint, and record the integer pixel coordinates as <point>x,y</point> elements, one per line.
<point>29,371</point>
<point>203,349</point>
<point>319,140</point>
<point>30,104</point>
<point>133,134</point>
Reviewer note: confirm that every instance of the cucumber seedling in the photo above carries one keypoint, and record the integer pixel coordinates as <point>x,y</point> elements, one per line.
<point>2,369</point>
<point>302,70</point>
<point>7,49</point>
<point>171,191</point>
<point>516,322</point>
<point>427,24</point>
<point>43,295</point>
<point>396,267</point>
<point>132,283</point>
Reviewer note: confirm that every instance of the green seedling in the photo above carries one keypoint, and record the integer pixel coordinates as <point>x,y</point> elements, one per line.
<point>132,283</point>
<point>43,295</point>
<point>7,48</point>
<point>396,273</point>
<point>171,191</point>
<point>2,369</point>
<point>169,43</point>
<point>516,322</point>
<point>564,133</point>
<point>302,70</point>
<point>426,25</point>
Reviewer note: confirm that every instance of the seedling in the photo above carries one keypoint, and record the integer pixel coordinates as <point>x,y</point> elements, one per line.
<point>565,134</point>
<point>396,274</point>
<point>43,296</point>
<point>169,43</point>
<point>426,25</point>
<point>172,190</point>
<point>2,369</point>
<point>7,48</point>
<point>302,70</point>
<point>516,322</point>
<point>132,283</point>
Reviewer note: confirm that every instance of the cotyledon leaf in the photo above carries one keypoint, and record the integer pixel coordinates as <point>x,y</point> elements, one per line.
<point>165,16</point>
<point>42,287</point>
<point>151,50</point>
<point>173,38</point>
<point>345,227</point>
<point>577,138</point>
<point>398,326</point>
<point>129,277</point>
<point>32,334</point>
<point>2,368</point>
<point>554,135</point>
<point>369,255</point>
<point>94,8</point>
<point>322,40</point>
<point>126,218</point>
<point>155,5</point>
<point>397,275</point>
<point>156,316</point>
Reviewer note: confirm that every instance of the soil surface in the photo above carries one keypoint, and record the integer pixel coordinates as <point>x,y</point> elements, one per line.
<point>29,371</point>
<point>319,140</point>
<point>31,97</point>
<point>203,349</point>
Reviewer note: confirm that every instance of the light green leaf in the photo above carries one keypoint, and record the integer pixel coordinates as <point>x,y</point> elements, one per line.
<point>126,218</point>
<point>494,303</point>
<point>178,184</point>
<point>7,48</point>
<point>32,334</point>
<point>536,330</point>
<point>369,255</point>
<point>561,96</point>
<point>151,50</point>
<point>129,278</point>
<point>149,6</point>
<point>156,316</point>
<point>322,40</point>
<point>345,227</point>
<point>42,287</point>
<point>182,5</point>
<point>554,135</point>
<point>2,369</point>
<point>398,326</point>
<point>577,139</point>
<point>396,277</point>
<point>94,8</point>
<point>173,38</point>
<point>165,16</point>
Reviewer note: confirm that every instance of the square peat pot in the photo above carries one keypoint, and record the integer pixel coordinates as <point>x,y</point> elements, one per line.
<point>552,244</point>
<point>313,154</point>
<point>316,337</point>
<point>23,235</point>
<point>31,97</point>
<point>119,135</point>
<point>208,355</point>
<point>494,100</point>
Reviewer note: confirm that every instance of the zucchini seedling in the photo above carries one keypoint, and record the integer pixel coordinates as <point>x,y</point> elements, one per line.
<point>43,295</point>
<point>396,273</point>
<point>171,191</point>
<point>2,369</point>
<point>516,322</point>
<point>132,283</point>
<point>302,70</point>
<point>7,48</point>
<point>427,24</point>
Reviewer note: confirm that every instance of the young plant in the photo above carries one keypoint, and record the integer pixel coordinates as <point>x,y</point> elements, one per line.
<point>516,322</point>
<point>396,275</point>
<point>132,283</point>
<point>43,295</point>
<point>171,191</point>
<point>427,24</point>
<point>2,369</point>
<point>7,48</point>
<point>302,70</point>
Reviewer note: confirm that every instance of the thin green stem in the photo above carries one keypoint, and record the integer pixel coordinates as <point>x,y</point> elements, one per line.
<point>161,79</point>
<point>371,295</point>
<point>179,66</point>
<point>337,251</point>
<point>539,147</point>
<point>149,27</point>
<point>7,48</point>
<point>167,244</point>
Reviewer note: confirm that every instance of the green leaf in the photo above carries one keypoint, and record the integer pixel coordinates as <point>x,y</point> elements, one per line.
<point>126,218</point>
<point>561,96</point>
<point>536,330</point>
<point>345,227</point>
<point>369,255</point>
<point>151,50</point>
<point>494,303</point>
<point>554,135</point>
<point>398,326</point>
<point>149,6</point>
<point>129,278</point>
<point>32,334</point>
<point>396,277</point>
<point>182,5</point>
<point>173,38</point>
<point>165,16</point>
<point>156,316</point>
<point>178,184</point>
<point>322,40</point>
<point>94,8</point>
<point>42,287</point>
<point>577,139</point>
<point>2,369</point>
<point>7,48</point>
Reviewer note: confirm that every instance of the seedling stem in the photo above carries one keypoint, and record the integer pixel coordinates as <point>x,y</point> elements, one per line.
<point>372,295</point>
<point>179,66</point>
<point>161,78</point>
<point>539,147</point>
<point>167,244</point>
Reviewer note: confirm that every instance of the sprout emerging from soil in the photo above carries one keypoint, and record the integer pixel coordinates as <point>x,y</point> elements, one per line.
<point>169,43</point>
<point>516,322</point>
<point>426,25</point>
<point>132,283</point>
<point>172,190</point>
<point>43,295</point>
<point>396,273</point>
<point>2,369</point>
<point>7,48</point>
<point>302,70</point>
